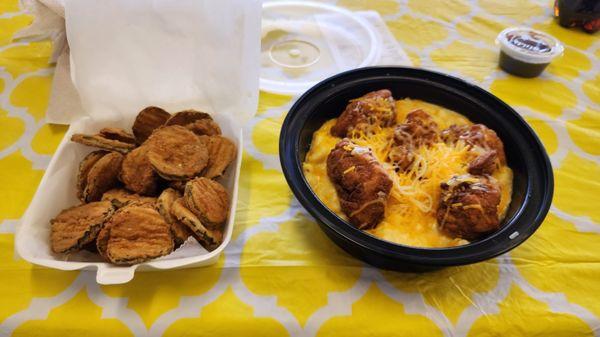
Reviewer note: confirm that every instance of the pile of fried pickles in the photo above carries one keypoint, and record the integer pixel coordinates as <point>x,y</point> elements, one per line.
<point>143,194</point>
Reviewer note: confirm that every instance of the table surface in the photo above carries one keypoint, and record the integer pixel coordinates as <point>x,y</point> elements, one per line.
<point>280,275</point>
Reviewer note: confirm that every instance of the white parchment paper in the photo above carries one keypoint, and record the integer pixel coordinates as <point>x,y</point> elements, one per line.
<point>128,54</point>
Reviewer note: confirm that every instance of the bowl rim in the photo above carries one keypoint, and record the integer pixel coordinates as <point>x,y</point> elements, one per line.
<point>475,251</point>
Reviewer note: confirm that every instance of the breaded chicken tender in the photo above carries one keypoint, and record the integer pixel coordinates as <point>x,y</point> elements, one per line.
<point>374,108</point>
<point>362,184</point>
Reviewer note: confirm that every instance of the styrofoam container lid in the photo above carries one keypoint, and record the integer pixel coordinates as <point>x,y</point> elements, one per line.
<point>529,45</point>
<point>305,42</point>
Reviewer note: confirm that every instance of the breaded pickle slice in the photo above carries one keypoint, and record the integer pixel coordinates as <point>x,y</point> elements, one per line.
<point>180,233</point>
<point>176,153</point>
<point>148,120</point>
<point>186,117</point>
<point>207,238</point>
<point>198,122</point>
<point>208,200</point>
<point>84,167</point>
<point>74,227</point>
<point>117,134</point>
<point>165,201</point>
<point>102,142</point>
<point>137,174</point>
<point>134,234</point>
<point>221,152</point>
<point>121,197</point>
<point>102,176</point>
<point>206,127</point>
<point>178,185</point>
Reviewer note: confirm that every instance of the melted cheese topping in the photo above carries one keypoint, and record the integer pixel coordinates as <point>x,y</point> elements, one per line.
<point>410,213</point>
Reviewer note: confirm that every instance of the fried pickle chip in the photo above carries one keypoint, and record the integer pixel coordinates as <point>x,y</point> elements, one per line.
<point>137,174</point>
<point>180,231</point>
<point>84,167</point>
<point>186,117</point>
<point>209,239</point>
<point>102,142</point>
<point>176,153</point>
<point>74,227</point>
<point>102,176</point>
<point>208,200</point>
<point>206,127</point>
<point>178,185</point>
<point>135,234</point>
<point>221,152</point>
<point>164,202</point>
<point>90,247</point>
<point>117,134</point>
<point>147,120</point>
<point>121,197</point>
<point>102,241</point>
<point>198,122</point>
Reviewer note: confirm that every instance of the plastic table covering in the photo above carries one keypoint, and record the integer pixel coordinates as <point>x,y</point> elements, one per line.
<point>281,276</point>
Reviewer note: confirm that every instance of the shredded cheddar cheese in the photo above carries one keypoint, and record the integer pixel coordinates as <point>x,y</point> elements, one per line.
<point>349,169</point>
<point>410,213</point>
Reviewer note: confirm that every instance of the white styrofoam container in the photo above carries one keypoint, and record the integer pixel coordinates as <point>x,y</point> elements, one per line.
<point>57,191</point>
<point>129,54</point>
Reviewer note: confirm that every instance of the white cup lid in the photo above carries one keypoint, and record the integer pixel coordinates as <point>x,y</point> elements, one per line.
<point>529,45</point>
<point>305,42</point>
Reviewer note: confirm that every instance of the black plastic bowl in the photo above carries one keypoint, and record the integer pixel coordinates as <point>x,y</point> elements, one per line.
<point>533,180</point>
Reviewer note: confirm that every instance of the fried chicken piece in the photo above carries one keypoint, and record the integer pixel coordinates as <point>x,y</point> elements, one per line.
<point>165,202</point>
<point>135,234</point>
<point>208,200</point>
<point>74,227</point>
<point>402,157</point>
<point>137,174</point>
<point>421,127</point>
<point>361,183</point>
<point>176,153</point>
<point>485,163</point>
<point>221,152</point>
<point>477,135</point>
<point>102,176</point>
<point>374,108</point>
<point>84,168</point>
<point>468,206</point>
<point>418,129</point>
<point>121,197</point>
<point>147,121</point>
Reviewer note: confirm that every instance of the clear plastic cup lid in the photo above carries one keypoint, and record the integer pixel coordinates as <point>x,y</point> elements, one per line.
<point>529,45</point>
<point>305,42</point>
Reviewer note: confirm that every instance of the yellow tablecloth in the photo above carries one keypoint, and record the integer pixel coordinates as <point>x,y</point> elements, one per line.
<point>281,276</point>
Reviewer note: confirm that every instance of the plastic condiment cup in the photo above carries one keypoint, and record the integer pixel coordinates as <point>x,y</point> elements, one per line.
<point>527,52</point>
